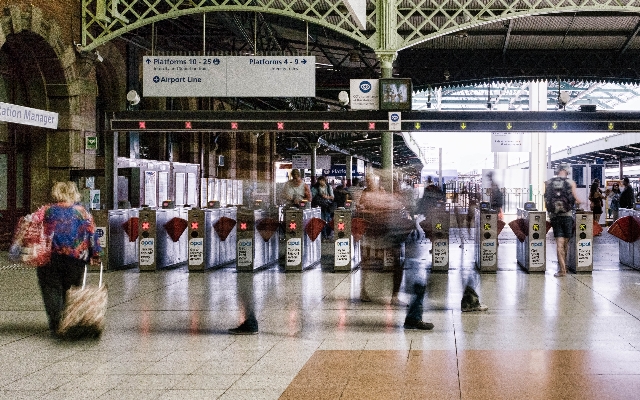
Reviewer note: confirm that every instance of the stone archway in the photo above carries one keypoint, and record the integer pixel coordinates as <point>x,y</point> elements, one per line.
<point>56,78</point>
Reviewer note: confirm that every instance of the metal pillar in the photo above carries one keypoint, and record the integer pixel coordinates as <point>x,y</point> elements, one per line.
<point>538,154</point>
<point>386,71</point>
<point>349,165</point>
<point>314,151</point>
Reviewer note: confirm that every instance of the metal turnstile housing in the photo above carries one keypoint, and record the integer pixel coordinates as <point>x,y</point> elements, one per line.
<point>532,253</point>
<point>580,257</point>
<point>157,249</point>
<point>629,253</point>
<point>253,252</point>
<point>301,252</point>
<point>439,220</point>
<point>486,240</point>
<point>346,252</point>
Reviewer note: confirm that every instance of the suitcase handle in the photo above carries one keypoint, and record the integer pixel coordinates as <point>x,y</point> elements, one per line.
<point>84,278</point>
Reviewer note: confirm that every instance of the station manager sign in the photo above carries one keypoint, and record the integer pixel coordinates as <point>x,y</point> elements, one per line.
<point>228,76</point>
<point>28,116</point>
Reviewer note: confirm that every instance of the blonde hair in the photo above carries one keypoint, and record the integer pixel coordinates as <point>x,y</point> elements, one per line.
<point>65,192</point>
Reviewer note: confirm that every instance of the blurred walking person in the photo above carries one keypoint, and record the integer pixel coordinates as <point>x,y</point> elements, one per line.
<point>74,244</point>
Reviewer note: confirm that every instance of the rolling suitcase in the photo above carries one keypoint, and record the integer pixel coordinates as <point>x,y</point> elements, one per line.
<point>84,312</point>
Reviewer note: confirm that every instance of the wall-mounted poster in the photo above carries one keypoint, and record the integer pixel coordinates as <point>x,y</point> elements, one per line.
<point>163,186</point>
<point>180,188</point>
<point>150,188</point>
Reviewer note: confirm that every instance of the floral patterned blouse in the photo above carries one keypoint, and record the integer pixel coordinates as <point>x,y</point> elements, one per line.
<point>74,233</point>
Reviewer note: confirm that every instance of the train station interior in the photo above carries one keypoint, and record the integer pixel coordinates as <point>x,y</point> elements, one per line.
<point>183,123</point>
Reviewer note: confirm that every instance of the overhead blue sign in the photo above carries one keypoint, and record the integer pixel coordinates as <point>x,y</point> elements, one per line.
<point>340,170</point>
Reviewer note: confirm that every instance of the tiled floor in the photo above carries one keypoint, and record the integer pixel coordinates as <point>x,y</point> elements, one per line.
<point>543,338</point>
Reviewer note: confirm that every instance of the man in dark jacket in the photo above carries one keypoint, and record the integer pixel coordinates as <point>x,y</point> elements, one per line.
<point>626,197</point>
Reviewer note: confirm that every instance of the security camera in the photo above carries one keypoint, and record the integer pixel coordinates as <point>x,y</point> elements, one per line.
<point>133,98</point>
<point>343,98</point>
<point>563,98</point>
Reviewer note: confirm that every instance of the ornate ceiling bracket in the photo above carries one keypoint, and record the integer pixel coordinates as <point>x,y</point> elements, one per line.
<point>104,20</point>
<point>422,20</point>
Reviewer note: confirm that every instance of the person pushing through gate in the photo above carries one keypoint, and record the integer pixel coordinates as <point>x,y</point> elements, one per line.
<point>560,198</point>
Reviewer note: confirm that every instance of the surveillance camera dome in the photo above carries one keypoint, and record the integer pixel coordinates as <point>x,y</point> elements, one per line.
<point>133,98</point>
<point>343,98</point>
<point>564,97</point>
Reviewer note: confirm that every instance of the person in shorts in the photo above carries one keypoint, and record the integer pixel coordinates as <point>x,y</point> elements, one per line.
<point>561,219</point>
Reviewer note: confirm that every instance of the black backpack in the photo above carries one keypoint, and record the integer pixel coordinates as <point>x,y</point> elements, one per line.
<point>558,196</point>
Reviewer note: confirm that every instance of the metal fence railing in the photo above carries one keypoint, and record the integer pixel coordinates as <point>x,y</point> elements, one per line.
<point>461,194</point>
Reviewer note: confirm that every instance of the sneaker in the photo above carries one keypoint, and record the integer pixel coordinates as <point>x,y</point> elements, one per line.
<point>364,297</point>
<point>418,325</point>
<point>244,329</point>
<point>476,307</point>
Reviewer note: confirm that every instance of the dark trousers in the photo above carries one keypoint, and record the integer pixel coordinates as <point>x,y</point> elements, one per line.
<point>55,279</point>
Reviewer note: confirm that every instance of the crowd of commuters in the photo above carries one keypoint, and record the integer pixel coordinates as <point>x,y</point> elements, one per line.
<point>74,240</point>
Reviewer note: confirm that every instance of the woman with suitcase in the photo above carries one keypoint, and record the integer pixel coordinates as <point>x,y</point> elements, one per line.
<point>74,244</point>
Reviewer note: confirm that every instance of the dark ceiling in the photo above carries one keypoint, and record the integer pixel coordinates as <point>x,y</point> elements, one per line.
<point>588,47</point>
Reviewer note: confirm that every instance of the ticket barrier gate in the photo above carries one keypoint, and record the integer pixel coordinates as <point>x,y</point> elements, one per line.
<point>346,251</point>
<point>580,252</point>
<point>258,239</point>
<point>211,237</point>
<point>531,253</point>
<point>118,236</point>
<point>486,238</point>
<point>301,252</point>
<point>629,252</point>
<point>163,238</point>
<point>439,222</point>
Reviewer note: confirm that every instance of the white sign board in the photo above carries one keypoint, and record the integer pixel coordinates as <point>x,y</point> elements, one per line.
<point>101,231</point>
<point>196,251</point>
<point>510,142</point>
<point>245,252</point>
<point>294,252</point>
<point>150,188</point>
<point>440,252</point>
<point>184,76</point>
<point>585,253</point>
<point>363,94</point>
<point>323,162</point>
<point>488,252</point>
<point>342,252</point>
<point>273,76</point>
<point>360,165</point>
<point>147,255</point>
<point>395,121</point>
<point>28,116</point>
<point>536,253</point>
<point>301,161</point>
<point>229,76</point>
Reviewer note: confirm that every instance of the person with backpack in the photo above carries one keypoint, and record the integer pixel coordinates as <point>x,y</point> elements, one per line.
<point>560,198</point>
